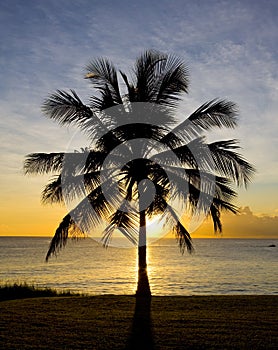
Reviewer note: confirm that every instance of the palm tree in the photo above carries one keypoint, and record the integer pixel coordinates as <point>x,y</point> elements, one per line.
<point>140,157</point>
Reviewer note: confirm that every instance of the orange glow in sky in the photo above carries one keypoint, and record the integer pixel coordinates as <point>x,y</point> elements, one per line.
<point>234,58</point>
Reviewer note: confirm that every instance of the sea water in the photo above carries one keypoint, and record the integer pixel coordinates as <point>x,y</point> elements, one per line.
<point>218,266</point>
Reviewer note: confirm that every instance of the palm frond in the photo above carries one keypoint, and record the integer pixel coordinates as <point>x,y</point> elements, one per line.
<point>159,202</point>
<point>230,163</point>
<point>183,238</point>
<point>216,207</point>
<point>85,161</point>
<point>99,204</point>
<point>223,189</point>
<point>43,163</point>
<point>67,109</point>
<point>172,82</point>
<point>124,219</point>
<point>147,70</point>
<point>193,188</point>
<point>78,186</point>
<point>180,155</point>
<point>103,76</point>
<point>52,192</point>
<point>131,91</point>
<point>225,205</point>
<point>215,113</point>
<point>67,227</point>
<point>68,163</point>
<point>94,161</point>
<point>150,113</point>
<point>182,235</point>
<point>104,101</point>
<point>85,216</point>
<point>143,132</point>
<point>157,175</point>
<point>194,154</point>
<point>215,214</point>
<point>189,184</point>
<point>172,140</point>
<point>160,79</point>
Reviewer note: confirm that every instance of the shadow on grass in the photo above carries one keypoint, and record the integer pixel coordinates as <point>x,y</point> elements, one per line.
<point>141,335</point>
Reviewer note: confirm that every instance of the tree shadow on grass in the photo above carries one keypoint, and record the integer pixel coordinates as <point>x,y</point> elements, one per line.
<point>141,335</point>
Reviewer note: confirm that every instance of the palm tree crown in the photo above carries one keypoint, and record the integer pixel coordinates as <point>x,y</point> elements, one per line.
<point>140,159</point>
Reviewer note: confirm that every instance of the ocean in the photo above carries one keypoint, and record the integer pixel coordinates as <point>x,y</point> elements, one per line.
<point>218,266</point>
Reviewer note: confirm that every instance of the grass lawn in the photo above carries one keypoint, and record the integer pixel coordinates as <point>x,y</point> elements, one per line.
<point>118,322</point>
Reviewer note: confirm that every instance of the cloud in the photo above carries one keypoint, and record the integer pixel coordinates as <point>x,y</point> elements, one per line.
<point>246,224</point>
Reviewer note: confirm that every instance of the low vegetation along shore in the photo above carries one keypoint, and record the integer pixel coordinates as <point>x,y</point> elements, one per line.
<point>122,322</point>
<point>24,290</point>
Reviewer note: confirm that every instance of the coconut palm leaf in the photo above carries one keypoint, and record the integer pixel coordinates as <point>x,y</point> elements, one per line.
<point>194,154</point>
<point>124,219</point>
<point>147,133</point>
<point>225,205</point>
<point>71,188</point>
<point>182,235</point>
<point>230,163</point>
<point>96,206</point>
<point>60,237</point>
<point>159,79</point>
<point>67,109</point>
<point>200,201</point>
<point>95,159</point>
<point>104,101</point>
<point>103,76</point>
<point>220,187</point>
<point>70,163</point>
<point>215,113</point>
<point>218,205</point>
<point>224,190</point>
<point>183,238</point>
<point>151,114</point>
<point>215,214</point>
<point>131,91</point>
<point>43,163</point>
<point>159,202</point>
<point>157,175</point>
<point>86,215</point>
<point>182,179</point>
<point>172,82</point>
<point>52,192</point>
<point>147,70</point>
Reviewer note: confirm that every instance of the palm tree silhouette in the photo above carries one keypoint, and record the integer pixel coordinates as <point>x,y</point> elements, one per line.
<point>140,157</point>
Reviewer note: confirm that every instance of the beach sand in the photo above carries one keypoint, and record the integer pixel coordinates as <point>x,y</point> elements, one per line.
<point>116,322</point>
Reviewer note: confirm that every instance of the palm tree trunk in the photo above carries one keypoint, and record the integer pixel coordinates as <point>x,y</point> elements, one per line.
<point>143,286</point>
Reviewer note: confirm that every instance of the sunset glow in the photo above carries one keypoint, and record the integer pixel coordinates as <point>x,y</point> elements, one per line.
<point>234,58</point>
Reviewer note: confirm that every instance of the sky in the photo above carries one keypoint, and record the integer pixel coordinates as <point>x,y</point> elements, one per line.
<point>230,48</point>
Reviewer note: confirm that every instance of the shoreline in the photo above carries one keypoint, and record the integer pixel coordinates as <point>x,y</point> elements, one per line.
<point>214,237</point>
<point>121,322</point>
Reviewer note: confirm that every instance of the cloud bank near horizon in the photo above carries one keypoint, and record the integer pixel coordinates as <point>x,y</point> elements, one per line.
<point>245,224</point>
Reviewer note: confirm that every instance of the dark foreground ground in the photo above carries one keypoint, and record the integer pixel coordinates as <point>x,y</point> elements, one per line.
<point>118,322</point>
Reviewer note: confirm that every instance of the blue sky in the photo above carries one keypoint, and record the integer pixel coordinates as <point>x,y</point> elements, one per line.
<point>230,48</point>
